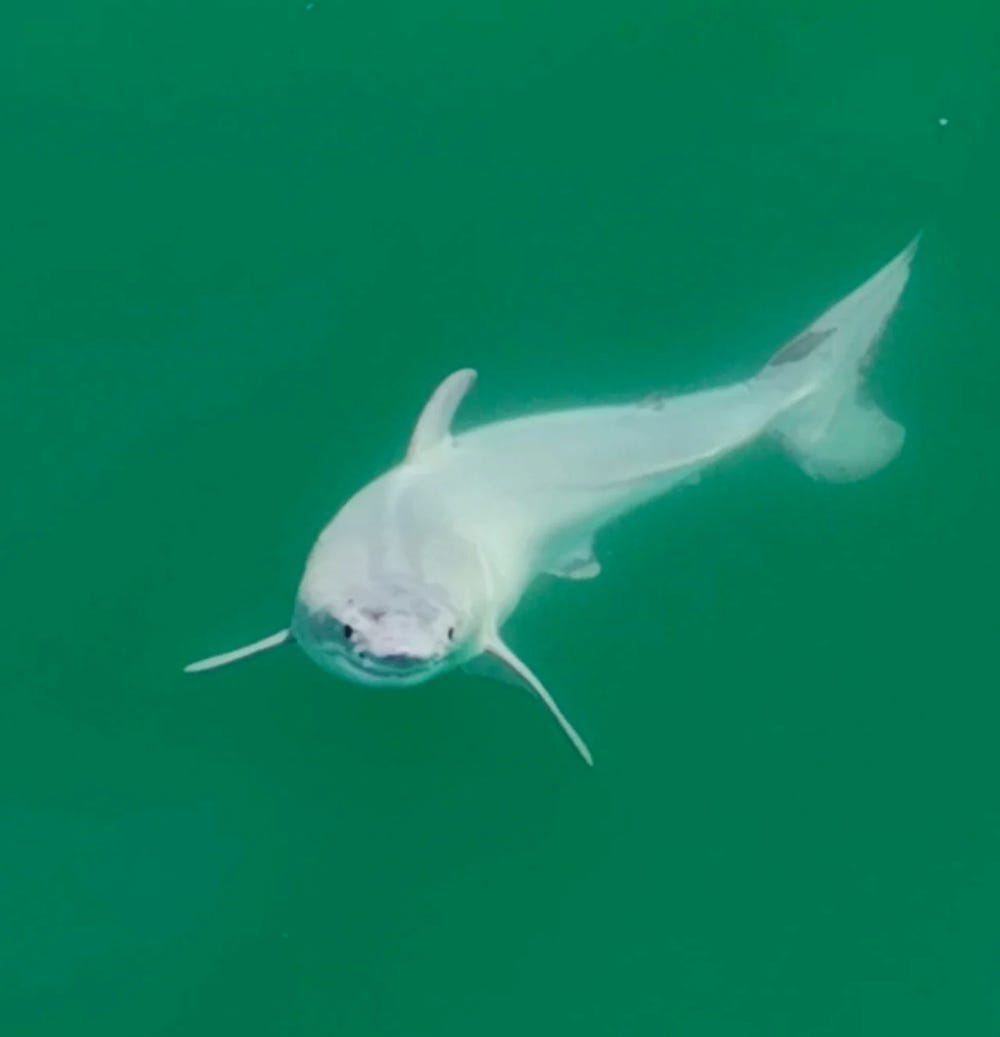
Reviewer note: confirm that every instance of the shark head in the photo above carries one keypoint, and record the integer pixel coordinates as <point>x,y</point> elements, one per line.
<point>384,634</point>
<point>396,591</point>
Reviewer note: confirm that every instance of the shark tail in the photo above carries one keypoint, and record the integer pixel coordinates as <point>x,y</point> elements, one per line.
<point>832,429</point>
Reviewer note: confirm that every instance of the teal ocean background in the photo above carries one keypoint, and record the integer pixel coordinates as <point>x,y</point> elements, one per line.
<point>242,241</point>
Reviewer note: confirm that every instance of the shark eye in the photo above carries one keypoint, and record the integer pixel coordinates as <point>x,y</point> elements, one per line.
<point>451,633</point>
<point>348,631</point>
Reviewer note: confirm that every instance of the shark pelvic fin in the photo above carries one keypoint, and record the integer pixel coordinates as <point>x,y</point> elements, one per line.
<point>577,564</point>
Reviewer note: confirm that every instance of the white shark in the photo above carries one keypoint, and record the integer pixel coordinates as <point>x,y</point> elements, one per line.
<point>418,570</point>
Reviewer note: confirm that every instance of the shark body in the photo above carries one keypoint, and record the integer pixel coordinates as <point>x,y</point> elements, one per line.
<point>418,570</point>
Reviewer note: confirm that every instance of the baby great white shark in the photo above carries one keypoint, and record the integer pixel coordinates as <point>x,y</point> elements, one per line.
<point>418,570</point>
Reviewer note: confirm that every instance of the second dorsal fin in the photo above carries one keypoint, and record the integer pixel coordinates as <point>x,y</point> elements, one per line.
<point>434,424</point>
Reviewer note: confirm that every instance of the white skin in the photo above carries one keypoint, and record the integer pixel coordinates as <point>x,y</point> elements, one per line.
<point>418,571</point>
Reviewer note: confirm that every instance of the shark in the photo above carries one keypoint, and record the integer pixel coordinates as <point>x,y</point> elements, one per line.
<point>417,572</point>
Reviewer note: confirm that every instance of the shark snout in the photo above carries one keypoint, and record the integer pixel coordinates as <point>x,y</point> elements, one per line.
<point>397,640</point>
<point>379,635</point>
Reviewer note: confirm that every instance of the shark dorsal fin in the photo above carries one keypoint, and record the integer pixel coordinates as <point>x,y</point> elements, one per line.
<point>500,657</point>
<point>434,424</point>
<point>280,638</point>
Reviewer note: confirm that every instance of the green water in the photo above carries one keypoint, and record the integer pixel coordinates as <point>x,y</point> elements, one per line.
<point>241,243</point>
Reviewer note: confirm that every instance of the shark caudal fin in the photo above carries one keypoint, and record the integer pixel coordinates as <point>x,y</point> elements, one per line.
<point>832,430</point>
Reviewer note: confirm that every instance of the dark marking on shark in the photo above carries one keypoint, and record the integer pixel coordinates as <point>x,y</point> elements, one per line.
<point>800,347</point>
<point>654,401</point>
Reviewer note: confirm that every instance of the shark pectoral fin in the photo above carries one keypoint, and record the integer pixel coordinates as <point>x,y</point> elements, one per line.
<point>498,661</point>
<point>434,424</point>
<point>280,638</point>
<point>578,564</point>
